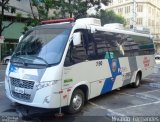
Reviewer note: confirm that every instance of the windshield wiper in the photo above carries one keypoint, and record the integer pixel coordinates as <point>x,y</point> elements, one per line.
<point>22,59</point>
<point>26,64</point>
<point>40,59</point>
<point>19,52</point>
<point>15,55</point>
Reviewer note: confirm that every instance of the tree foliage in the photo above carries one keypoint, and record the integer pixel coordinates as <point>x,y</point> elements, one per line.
<point>61,9</point>
<point>53,9</point>
<point>42,7</point>
<point>39,11</point>
<point>78,8</point>
<point>109,17</point>
<point>70,8</point>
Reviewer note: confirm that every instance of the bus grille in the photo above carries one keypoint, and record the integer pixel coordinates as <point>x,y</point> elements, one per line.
<point>22,83</point>
<point>25,97</point>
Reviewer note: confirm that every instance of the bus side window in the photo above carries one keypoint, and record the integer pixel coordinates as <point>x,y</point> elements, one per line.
<point>109,55</point>
<point>105,45</point>
<point>91,48</point>
<point>99,44</point>
<point>68,60</point>
<point>76,54</point>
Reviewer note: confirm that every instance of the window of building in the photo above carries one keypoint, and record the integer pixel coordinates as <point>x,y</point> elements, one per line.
<point>120,1</point>
<point>139,21</point>
<point>149,10</point>
<point>111,2</point>
<point>127,9</point>
<point>128,21</point>
<point>140,8</point>
<point>153,23</point>
<point>120,10</point>
<point>149,22</point>
<point>153,11</point>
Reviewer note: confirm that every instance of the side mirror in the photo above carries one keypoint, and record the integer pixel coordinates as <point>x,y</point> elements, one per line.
<point>77,38</point>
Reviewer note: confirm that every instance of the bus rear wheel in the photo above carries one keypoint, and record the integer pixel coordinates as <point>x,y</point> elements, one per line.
<point>77,102</point>
<point>137,81</point>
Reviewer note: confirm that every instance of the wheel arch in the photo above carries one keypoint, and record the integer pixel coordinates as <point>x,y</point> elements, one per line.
<point>6,60</point>
<point>84,87</point>
<point>139,72</point>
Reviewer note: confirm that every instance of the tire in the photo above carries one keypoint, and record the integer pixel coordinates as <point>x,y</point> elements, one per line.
<point>136,84</point>
<point>15,104</point>
<point>77,102</point>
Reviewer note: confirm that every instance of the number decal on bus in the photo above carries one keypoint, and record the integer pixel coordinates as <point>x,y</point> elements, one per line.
<point>99,63</point>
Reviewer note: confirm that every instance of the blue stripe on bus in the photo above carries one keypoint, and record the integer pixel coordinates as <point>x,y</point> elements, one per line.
<point>115,72</point>
<point>12,68</point>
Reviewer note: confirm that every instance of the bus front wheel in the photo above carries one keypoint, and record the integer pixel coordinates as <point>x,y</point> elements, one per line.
<point>137,81</point>
<point>77,102</point>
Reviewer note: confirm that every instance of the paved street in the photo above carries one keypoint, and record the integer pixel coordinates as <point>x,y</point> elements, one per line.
<point>2,72</point>
<point>142,101</point>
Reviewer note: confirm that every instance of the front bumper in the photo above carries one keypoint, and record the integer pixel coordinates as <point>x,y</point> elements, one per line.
<point>42,98</point>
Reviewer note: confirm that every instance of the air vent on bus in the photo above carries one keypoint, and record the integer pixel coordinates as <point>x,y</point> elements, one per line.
<point>89,21</point>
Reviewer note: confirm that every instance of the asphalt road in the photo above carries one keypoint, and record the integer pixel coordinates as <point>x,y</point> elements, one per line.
<point>126,102</point>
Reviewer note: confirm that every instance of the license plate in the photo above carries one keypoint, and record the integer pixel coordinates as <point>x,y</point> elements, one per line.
<point>19,90</point>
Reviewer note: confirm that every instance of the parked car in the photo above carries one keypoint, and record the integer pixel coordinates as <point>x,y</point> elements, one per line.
<point>6,59</point>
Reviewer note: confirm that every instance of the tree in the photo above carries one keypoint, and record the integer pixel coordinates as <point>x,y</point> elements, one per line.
<point>70,8</point>
<point>109,17</point>
<point>61,9</point>
<point>42,7</point>
<point>5,6</point>
<point>53,9</point>
<point>39,11</point>
<point>97,2</point>
<point>78,8</point>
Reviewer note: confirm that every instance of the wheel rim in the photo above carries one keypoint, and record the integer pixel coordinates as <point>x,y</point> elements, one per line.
<point>77,101</point>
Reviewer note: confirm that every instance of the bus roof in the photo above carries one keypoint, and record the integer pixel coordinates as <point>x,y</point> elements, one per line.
<point>121,31</point>
<point>88,23</point>
<point>55,25</point>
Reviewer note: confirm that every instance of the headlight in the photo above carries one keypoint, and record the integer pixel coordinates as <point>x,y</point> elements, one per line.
<point>46,84</point>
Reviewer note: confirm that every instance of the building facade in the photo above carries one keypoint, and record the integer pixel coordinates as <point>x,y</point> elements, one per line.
<point>142,14</point>
<point>14,31</point>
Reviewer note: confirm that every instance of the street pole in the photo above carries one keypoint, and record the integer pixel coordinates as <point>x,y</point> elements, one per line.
<point>0,53</point>
<point>134,15</point>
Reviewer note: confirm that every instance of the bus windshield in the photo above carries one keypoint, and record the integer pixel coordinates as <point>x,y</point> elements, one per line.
<point>41,47</point>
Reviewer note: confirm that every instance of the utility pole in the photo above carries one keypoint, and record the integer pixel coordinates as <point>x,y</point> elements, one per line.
<point>134,15</point>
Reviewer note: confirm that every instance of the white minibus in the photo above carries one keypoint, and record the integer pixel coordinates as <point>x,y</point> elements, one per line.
<point>65,63</point>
